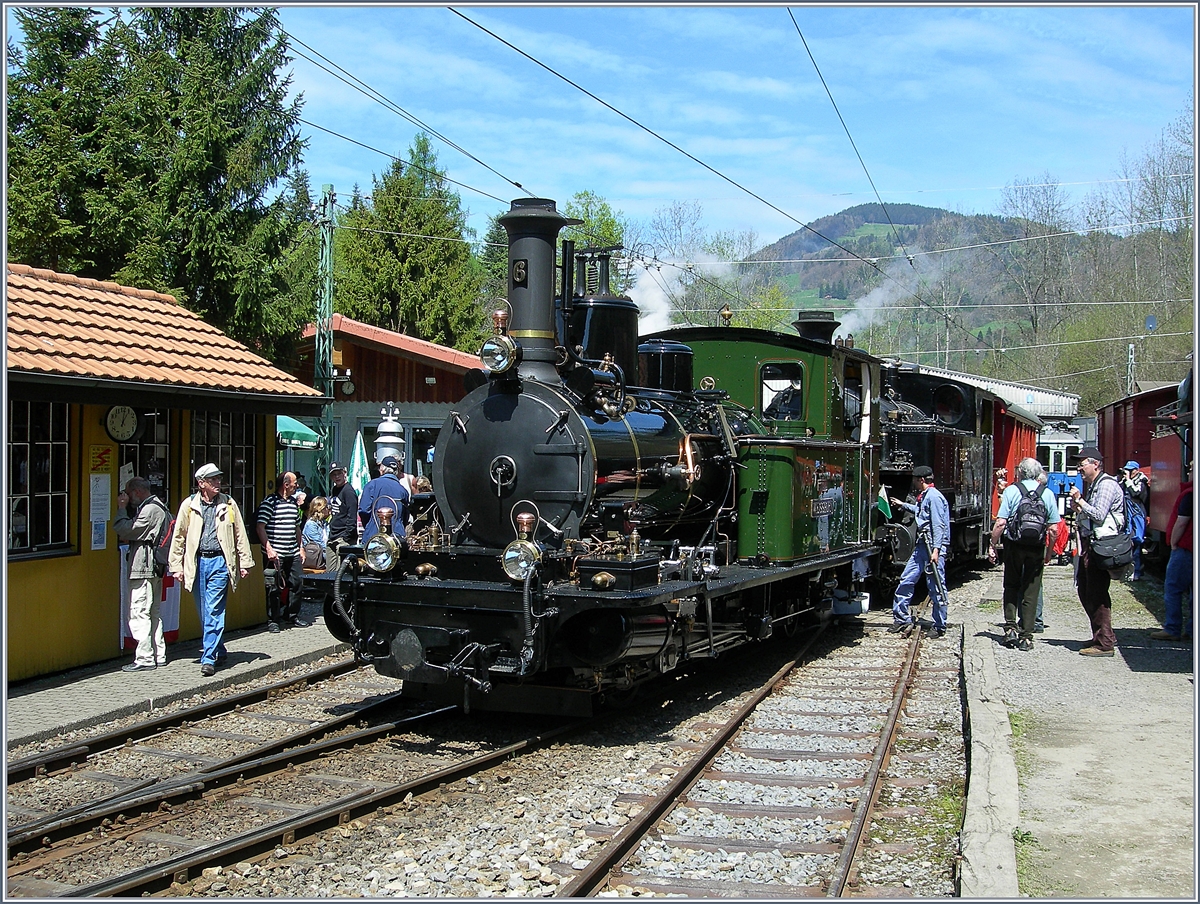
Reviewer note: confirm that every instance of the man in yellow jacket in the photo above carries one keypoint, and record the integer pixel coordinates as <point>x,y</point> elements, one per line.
<point>210,550</point>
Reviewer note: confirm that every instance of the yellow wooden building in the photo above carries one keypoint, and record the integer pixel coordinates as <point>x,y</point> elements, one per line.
<point>105,381</point>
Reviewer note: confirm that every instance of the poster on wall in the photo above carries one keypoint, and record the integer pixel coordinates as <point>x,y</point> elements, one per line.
<point>101,499</point>
<point>99,535</point>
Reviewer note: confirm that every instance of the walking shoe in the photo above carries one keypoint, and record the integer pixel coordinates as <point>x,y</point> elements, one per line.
<point>208,670</point>
<point>272,627</point>
<point>1162,634</point>
<point>933,633</point>
<point>900,627</point>
<point>1039,629</point>
<point>302,623</point>
<point>1010,637</point>
<point>1025,643</point>
<point>137,667</point>
<point>1095,651</point>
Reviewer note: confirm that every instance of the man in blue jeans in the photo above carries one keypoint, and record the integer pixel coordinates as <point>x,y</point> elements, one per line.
<point>209,552</point>
<point>1177,584</point>
<point>933,524</point>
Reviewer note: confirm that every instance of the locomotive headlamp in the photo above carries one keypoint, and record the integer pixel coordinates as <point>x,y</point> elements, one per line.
<point>382,552</point>
<point>500,353</point>
<point>520,558</point>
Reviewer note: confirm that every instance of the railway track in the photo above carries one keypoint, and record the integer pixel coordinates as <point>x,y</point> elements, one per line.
<point>309,814</point>
<point>785,794</point>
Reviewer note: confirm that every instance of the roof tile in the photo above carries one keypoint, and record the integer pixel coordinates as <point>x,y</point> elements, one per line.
<point>62,324</point>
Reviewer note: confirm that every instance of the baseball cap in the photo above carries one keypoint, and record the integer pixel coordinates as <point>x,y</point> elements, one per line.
<point>1131,465</point>
<point>204,472</point>
<point>923,471</point>
<point>390,461</point>
<point>1088,452</point>
<point>336,466</point>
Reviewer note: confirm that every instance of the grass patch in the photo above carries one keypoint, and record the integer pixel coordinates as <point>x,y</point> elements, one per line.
<point>990,605</point>
<point>1031,880</point>
<point>1021,722</point>
<point>947,810</point>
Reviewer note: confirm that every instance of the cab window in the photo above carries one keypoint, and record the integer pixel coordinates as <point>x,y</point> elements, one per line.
<point>782,391</point>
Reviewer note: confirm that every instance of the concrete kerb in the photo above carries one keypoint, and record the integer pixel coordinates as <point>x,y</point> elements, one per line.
<point>989,857</point>
<point>150,704</point>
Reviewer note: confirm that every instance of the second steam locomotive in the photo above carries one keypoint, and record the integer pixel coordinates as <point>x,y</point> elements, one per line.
<point>606,509</point>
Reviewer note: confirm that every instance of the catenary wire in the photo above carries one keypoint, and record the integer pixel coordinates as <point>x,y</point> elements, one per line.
<point>403,161</point>
<point>391,105</point>
<point>850,137</point>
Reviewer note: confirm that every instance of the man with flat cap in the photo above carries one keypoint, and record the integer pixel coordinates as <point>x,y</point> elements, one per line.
<point>209,552</point>
<point>1100,507</point>
<point>343,508</point>
<point>933,540</point>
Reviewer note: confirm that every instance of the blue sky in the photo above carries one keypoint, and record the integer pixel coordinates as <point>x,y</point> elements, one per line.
<point>945,104</point>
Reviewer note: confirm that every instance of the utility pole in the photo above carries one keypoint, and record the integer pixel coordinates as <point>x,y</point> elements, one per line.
<point>1129,372</point>
<point>323,342</point>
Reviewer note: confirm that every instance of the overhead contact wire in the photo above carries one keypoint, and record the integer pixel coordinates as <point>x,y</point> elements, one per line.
<point>949,320</point>
<point>846,128</point>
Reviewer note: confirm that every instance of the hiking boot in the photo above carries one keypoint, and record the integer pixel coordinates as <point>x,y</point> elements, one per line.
<point>900,627</point>
<point>1025,643</point>
<point>1163,634</point>
<point>1095,651</point>
<point>932,633</point>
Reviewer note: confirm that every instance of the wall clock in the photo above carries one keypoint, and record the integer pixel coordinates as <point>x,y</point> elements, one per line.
<point>122,423</point>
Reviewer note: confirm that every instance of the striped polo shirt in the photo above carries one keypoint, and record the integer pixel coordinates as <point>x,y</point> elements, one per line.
<point>282,520</point>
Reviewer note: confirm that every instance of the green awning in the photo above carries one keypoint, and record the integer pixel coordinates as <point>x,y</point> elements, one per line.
<point>291,432</point>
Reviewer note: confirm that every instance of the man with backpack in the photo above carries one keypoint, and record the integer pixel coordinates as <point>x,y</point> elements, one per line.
<point>1099,515</point>
<point>1027,509</point>
<point>142,526</point>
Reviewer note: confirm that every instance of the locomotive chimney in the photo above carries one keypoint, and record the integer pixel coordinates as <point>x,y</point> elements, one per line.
<point>533,225</point>
<point>816,325</point>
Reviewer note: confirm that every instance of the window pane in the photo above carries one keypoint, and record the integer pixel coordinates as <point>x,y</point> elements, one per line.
<point>39,422</point>
<point>18,473</point>
<point>18,428</point>
<point>40,526</point>
<point>41,468</point>
<point>18,523</point>
<point>58,423</point>
<point>58,519</point>
<point>58,468</point>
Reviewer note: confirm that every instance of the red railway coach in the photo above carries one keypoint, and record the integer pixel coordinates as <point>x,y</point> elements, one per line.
<point>1015,436</point>
<point>1148,427</point>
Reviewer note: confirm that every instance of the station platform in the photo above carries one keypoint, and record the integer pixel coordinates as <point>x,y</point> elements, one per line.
<point>80,698</point>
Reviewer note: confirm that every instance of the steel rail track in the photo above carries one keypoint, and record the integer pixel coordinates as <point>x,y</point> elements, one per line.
<point>339,812</point>
<point>593,878</point>
<point>73,754</point>
<point>147,796</point>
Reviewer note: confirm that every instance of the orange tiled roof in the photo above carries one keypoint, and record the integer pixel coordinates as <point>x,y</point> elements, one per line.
<point>63,325</point>
<point>451,358</point>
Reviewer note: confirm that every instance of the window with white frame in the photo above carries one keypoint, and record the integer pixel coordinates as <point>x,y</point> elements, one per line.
<point>38,477</point>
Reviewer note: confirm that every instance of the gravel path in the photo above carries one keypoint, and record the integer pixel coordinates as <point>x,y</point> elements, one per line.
<point>1105,748</point>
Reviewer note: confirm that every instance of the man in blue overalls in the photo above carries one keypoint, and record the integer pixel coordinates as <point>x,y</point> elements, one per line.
<point>933,539</point>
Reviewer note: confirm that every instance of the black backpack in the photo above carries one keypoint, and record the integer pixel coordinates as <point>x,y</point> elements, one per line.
<point>1027,525</point>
